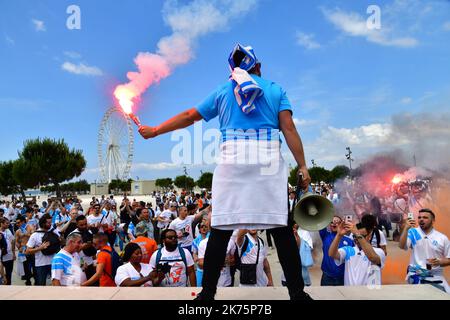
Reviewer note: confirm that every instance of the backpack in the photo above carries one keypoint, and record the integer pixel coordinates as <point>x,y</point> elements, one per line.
<point>55,242</point>
<point>3,245</point>
<point>237,257</point>
<point>182,254</point>
<point>116,262</point>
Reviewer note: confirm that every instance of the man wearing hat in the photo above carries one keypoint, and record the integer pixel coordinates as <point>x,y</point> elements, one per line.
<point>148,246</point>
<point>250,180</point>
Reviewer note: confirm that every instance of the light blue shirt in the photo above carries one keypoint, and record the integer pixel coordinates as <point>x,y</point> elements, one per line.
<point>222,103</point>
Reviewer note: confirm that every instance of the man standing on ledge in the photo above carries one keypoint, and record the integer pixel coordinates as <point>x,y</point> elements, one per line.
<point>246,193</point>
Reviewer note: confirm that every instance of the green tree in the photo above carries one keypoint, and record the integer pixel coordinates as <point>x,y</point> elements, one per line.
<point>165,183</point>
<point>205,180</point>
<point>318,174</point>
<point>339,172</point>
<point>114,185</point>
<point>184,182</point>
<point>293,176</point>
<point>47,161</point>
<point>119,185</point>
<point>126,185</point>
<point>8,185</point>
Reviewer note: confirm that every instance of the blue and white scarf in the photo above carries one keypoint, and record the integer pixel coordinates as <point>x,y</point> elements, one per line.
<point>245,88</point>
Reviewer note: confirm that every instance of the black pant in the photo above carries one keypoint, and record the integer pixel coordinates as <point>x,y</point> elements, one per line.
<point>269,237</point>
<point>9,265</point>
<point>27,268</point>
<point>287,250</point>
<point>112,238</point>
<point>382,222</point>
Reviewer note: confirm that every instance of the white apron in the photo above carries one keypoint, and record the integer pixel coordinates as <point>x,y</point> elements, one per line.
<point>249,188</point>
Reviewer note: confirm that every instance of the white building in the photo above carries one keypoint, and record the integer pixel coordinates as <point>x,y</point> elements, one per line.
<point>99,188</point>
<point>143,187</point>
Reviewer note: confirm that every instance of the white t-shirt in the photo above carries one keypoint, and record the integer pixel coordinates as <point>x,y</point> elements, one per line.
<point>359,271</point>
<point>9,237</point>
<point>10,214</point>
<point>109,217</point>
<point>249,257</point>
<point>401,206</point>
<point>433,245</point>
<point>177,277</point>
<point>182,227</point>
<point>166,214</point>
<point>225,275</point>
<point>95,220</point>
<point>128,271</point>
<point>66,268</point>
<point>34,242</point>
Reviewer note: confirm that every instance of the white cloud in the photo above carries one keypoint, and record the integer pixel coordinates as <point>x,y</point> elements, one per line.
<point>72,54</point>
<point>328,149</point>
<point>39,25</point>
<point>446,26</point>
<point>369,136</point>
<point>306,40</point>
<point>304,123</point>
<point>81,69</point>
<point>353,24</point>
<point>155,166</point>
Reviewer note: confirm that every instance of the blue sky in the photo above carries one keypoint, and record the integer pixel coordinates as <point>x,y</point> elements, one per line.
<point>349,86</point>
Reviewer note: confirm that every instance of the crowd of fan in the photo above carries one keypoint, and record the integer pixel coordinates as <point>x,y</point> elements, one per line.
<point>135,244</point>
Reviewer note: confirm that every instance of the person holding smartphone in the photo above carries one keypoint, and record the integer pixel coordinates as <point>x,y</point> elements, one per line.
<point>430,250</point>
<point>333,275</point>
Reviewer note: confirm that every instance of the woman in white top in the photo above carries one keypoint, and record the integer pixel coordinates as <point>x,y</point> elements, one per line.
<point>133,273</point>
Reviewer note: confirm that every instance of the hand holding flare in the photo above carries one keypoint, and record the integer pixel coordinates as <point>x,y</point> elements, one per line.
<point>125,97</point>
<point>135,119</point>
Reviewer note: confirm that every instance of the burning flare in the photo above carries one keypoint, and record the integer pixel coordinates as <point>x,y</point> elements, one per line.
<point>396,179</point>
<point>125,97</point>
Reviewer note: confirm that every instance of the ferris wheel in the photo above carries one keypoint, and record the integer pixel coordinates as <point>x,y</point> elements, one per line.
<point>115,145</point>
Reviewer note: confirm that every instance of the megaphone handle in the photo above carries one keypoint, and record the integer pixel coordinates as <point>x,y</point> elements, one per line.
<point>298,191</point>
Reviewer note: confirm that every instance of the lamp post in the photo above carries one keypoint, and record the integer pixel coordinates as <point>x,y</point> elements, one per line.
<point>349,157</point>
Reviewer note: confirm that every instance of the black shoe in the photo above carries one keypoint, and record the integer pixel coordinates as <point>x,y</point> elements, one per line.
<point>204,297</point>
<point>301,296</point>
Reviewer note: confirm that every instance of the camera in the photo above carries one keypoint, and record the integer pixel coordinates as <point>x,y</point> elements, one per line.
<point>185,234</point>
<point>163,267</point>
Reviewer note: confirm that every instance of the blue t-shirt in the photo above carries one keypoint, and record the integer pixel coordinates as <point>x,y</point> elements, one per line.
<point>328,266</point>
<point>197,241</point>
<point>222,103</point>
<point>54,214</point>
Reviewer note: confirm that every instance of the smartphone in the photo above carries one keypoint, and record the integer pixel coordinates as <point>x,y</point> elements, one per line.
<point>410,216</point>
<point>348,219</point>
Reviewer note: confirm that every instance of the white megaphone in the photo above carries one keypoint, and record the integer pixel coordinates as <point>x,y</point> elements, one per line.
<point>312,212</point>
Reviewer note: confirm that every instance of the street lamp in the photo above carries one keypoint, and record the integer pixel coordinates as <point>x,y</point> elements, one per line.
<point>349,157</point>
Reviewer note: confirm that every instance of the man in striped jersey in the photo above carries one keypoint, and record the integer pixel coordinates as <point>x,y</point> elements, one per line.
<point>66,265</point>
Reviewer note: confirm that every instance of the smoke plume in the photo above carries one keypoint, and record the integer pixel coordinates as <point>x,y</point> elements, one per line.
<point>188,23</point>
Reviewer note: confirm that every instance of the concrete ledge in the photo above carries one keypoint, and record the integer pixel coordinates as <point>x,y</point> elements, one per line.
<point>387,292</point>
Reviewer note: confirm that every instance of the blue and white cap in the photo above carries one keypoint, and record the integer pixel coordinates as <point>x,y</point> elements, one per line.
<point>249,61</point>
